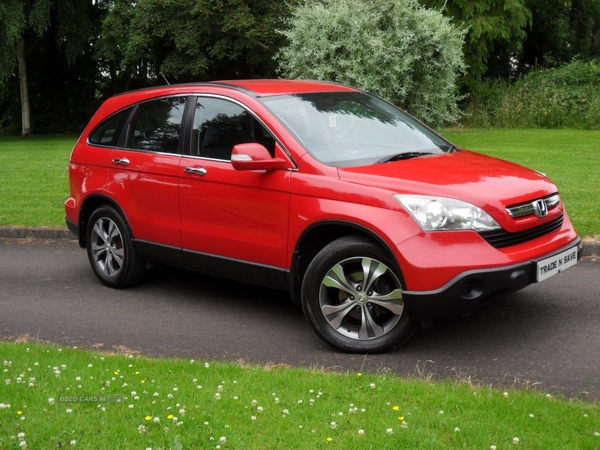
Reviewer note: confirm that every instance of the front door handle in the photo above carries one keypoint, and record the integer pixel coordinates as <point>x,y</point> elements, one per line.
<point>195,170</point>
<point>121,161</point>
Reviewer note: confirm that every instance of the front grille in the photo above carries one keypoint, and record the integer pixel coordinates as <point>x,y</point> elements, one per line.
<point>526,209</point>
<point>502,238</point>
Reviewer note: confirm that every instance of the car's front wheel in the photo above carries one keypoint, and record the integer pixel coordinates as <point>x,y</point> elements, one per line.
<point>353,298</point>
<point>111,251</point>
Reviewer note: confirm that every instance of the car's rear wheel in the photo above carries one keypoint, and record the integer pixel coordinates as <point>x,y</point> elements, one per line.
<point>353,298</point>
<point>111,250</point>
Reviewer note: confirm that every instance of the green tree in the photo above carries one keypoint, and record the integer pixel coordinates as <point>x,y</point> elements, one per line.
<point>585,28</point>
<point>24,24</point>
<point>397,49</point>
<point>187,40</point>
<point>495,31</point>
<point>561,30</point>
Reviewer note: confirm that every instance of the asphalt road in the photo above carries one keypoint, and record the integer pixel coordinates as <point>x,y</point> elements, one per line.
<point>546,337</point>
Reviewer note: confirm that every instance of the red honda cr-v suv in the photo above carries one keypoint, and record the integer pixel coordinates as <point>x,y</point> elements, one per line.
<point>366,216</point>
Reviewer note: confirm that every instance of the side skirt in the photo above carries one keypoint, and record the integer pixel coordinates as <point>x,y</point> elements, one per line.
<point>239,270</point>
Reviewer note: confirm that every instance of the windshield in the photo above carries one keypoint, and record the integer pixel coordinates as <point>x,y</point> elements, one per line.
<point>346,129</point>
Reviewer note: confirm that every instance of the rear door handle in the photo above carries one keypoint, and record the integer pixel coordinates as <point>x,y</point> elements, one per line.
<point>121,161</point>
<point>195,170</point>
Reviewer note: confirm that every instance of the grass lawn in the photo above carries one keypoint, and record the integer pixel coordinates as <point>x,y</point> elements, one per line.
<point>53,397</point>
<point>35,183</point>
<point>35,180</point>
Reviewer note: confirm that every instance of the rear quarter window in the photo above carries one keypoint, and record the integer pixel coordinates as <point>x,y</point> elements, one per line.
<point>109,131</point>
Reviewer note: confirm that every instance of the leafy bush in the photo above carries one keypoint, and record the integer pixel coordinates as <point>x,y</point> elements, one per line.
<point>397,49</point>
<point>566,97</point>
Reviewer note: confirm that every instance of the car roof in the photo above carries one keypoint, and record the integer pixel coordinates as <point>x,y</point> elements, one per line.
<point>265,87</point>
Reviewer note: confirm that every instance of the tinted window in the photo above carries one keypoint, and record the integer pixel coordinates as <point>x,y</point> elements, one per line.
<point>157,125</point>
<point>108,132</point>
<point>221,124</point>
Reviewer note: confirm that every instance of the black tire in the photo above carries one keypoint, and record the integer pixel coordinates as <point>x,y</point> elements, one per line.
<point>111,250</point>
<point>353,298</point>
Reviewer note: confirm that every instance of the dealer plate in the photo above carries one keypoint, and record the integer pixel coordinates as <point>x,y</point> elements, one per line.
<point>555,264</point>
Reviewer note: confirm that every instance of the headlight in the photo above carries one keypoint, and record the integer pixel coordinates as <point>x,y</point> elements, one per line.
<point>441,213</point>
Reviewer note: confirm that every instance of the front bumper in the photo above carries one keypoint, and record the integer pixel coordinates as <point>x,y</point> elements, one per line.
<point>473,289</point>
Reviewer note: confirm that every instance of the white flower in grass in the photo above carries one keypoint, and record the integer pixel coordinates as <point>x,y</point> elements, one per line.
<point>156,420</point>
<point>69,411</point>
<point>333,425</point>
<point>372,385</point>
<point>253,418</point>
<point>51,400</point>
<point>223,440</point>
<point>23,444</point>
<point>73,442</point>
<point>361,432</point>
<point>21,436</point>
<point>457,429</point>
<point>142,429</point>
<point>516,440</point>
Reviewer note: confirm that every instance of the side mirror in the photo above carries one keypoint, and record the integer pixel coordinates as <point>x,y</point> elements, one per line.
<point>254,156</point>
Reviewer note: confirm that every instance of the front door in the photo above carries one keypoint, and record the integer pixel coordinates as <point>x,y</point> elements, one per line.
<point>233,222</point>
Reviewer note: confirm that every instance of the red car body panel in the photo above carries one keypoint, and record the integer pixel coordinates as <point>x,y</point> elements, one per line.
<point>262,217</point>
<point>241,215</point>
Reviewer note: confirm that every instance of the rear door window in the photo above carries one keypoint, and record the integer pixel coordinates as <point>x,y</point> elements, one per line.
<point>156,125</point>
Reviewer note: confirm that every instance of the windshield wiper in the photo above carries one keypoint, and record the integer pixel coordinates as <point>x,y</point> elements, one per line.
<point>401,156</point>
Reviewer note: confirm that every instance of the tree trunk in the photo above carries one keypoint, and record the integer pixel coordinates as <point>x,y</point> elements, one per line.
<point>25,116</point>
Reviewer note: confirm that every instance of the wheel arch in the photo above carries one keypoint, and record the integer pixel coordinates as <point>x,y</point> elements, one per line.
<point>90,204</point>
<point>317,236</point>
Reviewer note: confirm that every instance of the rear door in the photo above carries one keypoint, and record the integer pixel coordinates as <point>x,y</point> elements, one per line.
<point>144,173</point>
